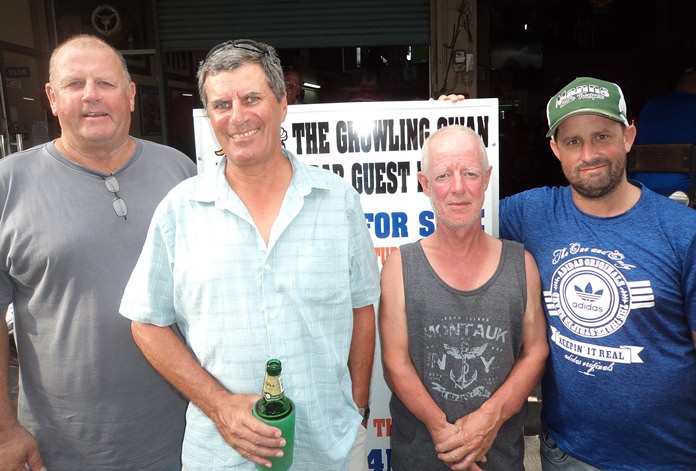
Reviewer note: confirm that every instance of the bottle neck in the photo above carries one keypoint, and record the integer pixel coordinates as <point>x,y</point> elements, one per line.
<point>273,388</point>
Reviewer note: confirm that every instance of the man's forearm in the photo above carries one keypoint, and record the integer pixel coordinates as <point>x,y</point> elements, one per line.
<point>362,353</point>
<point>18,448</point>
<point>8,418</point>
<point>404,381</point>
<point>231,413</point>
<point>513,393</point>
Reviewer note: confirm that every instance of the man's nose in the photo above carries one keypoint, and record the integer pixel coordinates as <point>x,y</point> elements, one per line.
<point>237,114</point>
<point>90,91</point>
<point>459,183</point>
<point>588,150</point>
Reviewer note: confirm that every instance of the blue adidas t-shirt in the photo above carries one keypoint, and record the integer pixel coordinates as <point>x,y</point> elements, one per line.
<point>620,297</point>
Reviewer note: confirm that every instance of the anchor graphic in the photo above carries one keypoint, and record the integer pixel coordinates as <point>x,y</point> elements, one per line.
<point>464,353</point>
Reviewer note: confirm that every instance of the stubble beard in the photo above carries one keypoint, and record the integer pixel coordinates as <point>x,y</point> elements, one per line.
<point>445,221</point>
<point>595,188</point>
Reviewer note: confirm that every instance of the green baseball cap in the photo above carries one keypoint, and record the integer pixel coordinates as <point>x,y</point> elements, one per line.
<point>586,95</point>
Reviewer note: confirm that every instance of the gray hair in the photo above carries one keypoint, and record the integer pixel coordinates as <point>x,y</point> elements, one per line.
<point>85,41</point>
<point>457,130</point>
<point>230,56</point>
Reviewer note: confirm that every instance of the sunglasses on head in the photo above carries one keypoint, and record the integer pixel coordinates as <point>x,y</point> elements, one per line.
<point>246,44</point>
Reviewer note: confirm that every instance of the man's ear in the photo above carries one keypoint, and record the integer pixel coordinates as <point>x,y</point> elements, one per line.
<point>487,177</point>
<point>423,183</point>
<point>131,96</point>
<point>51,95</point>
<point>554,148</point>
<point>629,137</point>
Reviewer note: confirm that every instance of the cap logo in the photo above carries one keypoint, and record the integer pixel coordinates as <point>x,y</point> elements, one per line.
<point>582,92</point>
<point>586,95</point>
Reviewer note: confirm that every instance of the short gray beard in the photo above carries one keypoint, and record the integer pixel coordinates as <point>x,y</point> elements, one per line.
<point>447,223</point>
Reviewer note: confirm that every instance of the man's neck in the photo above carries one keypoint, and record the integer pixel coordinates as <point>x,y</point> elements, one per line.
<point>460,243</point>
<point>464,258</point>
<point>273,174</point>
<point>106,158</point>
<point>623,198</point>
<point>261,189</point>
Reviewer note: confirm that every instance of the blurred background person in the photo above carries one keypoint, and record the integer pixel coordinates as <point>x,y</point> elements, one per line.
<point>669,119</point>
<point>367,88</point>
<point>293,86</point>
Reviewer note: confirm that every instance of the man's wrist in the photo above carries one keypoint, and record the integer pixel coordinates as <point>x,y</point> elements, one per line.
<point>364,413</point>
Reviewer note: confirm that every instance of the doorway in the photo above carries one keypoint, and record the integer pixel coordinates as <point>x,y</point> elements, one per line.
<point>26,119</point>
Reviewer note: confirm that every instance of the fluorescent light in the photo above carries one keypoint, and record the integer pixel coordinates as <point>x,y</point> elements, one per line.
<point>28,98</point>
<point>311,85</point>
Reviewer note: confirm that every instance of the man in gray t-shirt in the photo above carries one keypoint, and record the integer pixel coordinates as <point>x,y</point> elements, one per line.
<point>73,217</point>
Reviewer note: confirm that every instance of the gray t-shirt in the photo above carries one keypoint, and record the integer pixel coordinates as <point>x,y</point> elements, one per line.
<point>463,345</point>
<point>87,393</point>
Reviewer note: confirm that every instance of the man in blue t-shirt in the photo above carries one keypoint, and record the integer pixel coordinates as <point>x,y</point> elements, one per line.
<point>669,119</point>
<point>618,271</point>
<point>619,285</point>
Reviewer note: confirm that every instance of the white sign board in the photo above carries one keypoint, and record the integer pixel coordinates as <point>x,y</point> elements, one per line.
<point>376,147</point>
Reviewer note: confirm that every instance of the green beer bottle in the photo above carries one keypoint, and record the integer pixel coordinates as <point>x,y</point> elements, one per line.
<point>273,405</point>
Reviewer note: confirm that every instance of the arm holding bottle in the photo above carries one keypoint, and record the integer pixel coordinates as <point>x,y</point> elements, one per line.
<point>230,412</point>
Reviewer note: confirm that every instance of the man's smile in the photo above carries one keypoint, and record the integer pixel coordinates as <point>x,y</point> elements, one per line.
<point>244,134</point>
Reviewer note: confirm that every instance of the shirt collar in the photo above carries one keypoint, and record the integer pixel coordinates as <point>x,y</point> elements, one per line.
<point>213,185</point>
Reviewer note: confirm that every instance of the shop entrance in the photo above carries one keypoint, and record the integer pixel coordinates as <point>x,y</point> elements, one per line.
<point>26,115</point>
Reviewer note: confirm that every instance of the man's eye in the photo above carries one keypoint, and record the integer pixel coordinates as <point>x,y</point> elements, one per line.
<point>252,99</point>
<point>221,105</point>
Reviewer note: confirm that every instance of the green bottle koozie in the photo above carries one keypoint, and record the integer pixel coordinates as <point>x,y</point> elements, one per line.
<point>287,428</point>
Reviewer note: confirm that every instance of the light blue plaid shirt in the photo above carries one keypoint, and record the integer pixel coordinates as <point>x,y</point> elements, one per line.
<point>238,303</point>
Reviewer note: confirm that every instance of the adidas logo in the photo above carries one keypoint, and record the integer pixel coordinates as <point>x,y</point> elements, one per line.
<point>587,294</point>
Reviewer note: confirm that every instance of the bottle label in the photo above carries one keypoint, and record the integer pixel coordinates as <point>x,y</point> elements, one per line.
<point>273,388</point>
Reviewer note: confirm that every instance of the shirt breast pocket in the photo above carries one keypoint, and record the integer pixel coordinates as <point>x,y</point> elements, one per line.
<point>321,272</point>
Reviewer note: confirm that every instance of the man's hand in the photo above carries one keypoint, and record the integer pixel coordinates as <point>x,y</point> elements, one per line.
<point>453,97</point>
<point>445,436</point>
<point>230,412</point>
<point>475,435</point>
<point>252,439</point>
<point>19,448</point>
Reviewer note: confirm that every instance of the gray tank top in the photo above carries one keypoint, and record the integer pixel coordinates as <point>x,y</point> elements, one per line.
<point>463,345</point>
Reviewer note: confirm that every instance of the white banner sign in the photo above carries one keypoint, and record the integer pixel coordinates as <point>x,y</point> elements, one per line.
<point>376,147</point>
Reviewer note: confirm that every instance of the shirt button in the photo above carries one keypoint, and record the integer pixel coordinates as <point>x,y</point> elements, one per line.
<point>267,267</point>
<point>272,315</point>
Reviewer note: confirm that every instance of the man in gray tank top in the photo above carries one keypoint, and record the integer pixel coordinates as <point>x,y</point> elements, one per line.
<point>73,217</point>
<point>462,328</point>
